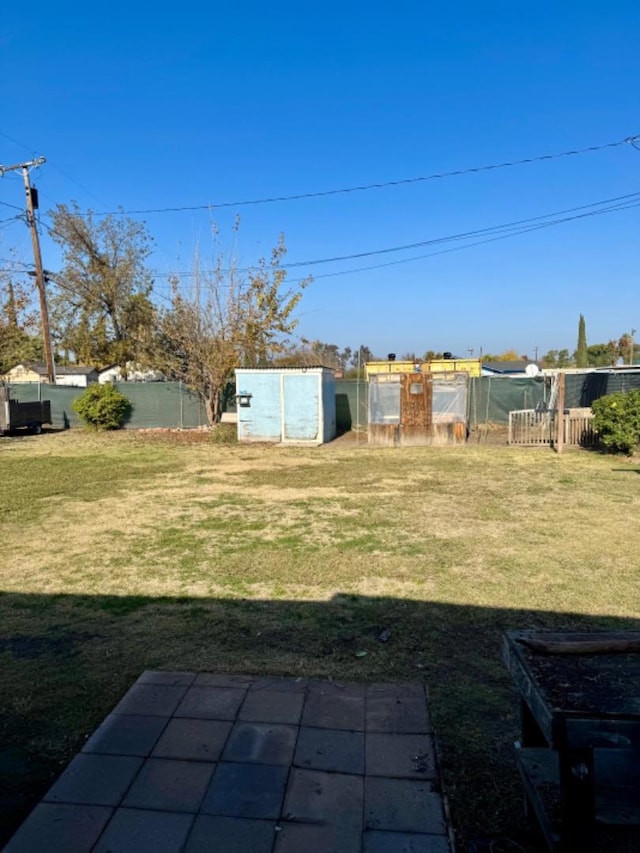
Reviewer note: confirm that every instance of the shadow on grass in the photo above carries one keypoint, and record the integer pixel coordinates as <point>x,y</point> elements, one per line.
<point>67,660</point>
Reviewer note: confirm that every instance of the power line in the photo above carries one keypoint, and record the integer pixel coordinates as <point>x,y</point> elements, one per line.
<point>509,230</point>
<point>630,140</point>
<point>5,223</point>
<point>461,236</point>
<point>77,184</point>
<point>503,236</point>
<point>16,142</point>
<point>490,234</point>
<point>607,206</point>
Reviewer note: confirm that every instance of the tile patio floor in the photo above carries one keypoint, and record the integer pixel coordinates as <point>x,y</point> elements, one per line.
<point>188,763</point>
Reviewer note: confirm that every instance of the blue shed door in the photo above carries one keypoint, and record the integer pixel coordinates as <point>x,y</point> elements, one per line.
<point>300,407</point>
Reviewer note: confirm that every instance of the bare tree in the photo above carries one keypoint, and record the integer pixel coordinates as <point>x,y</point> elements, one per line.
<point>230,319</point>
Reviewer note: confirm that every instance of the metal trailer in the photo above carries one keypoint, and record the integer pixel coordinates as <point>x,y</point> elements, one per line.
<point>14,415</point>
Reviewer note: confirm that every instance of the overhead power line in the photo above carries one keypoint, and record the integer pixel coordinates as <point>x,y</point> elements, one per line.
<point>519,226</point>
<point>629,140</point>
<point>14,206</point>
<point>461,236</point>
<point>501,236</point>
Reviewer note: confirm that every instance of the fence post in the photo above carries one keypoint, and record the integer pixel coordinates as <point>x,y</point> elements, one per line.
<point>560,411</point>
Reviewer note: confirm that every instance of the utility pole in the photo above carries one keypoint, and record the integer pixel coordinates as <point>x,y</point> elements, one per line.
<point>633,331</point>
<point>32,204</point>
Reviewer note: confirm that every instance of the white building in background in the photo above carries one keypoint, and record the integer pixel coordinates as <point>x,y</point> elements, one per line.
<point>135,373</point>
<point>76,375</point>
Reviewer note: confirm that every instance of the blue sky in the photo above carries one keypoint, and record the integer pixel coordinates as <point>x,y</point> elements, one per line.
<point>213,103</point>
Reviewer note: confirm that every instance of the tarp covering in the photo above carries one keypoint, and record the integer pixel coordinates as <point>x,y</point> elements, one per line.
<point>491,398</point>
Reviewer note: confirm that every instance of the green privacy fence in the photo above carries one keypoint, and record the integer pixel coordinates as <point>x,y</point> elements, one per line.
<point>171,405</point>
<point>581,389</point>
<point>154,404</point>
<point>491,398</point>
<point>351,404</point>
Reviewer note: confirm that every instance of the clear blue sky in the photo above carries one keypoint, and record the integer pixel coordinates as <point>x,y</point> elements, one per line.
<point>209,103</point>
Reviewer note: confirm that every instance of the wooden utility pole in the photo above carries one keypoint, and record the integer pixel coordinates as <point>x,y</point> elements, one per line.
<point>37,258</point>
<point>560,414</point>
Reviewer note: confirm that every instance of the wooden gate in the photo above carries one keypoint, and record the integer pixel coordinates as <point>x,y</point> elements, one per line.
<point>530,428</point>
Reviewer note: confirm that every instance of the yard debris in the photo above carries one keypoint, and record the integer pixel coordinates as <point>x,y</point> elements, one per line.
<point>361,654</point>
<point>385,635</point>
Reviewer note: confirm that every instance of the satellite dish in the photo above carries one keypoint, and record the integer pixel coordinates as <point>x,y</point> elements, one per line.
<point>532,369</point>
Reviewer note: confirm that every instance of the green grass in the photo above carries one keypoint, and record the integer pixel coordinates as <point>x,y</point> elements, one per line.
<point>123,552</point>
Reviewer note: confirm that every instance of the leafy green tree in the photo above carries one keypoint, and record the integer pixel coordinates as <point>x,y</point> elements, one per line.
<point>625,348</point>
<point>101,307</point>
<point>550,359</point>
<point>230,319</point>
<point>19,338</point>
<point>507,355</point>
<point>582,353</point>
<point>564,358</point>
<point>598,355</point>
<point>613,351</point>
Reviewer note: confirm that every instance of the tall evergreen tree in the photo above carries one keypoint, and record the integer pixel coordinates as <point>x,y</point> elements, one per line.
<point>582,355</point>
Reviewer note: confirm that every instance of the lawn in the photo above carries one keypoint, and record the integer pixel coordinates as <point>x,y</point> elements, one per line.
<point>127,551</point>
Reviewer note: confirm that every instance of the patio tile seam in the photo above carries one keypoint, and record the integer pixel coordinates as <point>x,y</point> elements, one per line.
<point>367,697</point>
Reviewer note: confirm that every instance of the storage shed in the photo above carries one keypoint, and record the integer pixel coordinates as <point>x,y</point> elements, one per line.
<point>295,405</point>
<point>418,408</point>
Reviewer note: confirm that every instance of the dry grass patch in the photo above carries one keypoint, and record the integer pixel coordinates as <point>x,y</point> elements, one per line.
<point>125,552</point>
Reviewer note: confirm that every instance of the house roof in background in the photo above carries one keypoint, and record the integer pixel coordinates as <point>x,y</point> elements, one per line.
<point>518,366</point>
<point>61,370</point>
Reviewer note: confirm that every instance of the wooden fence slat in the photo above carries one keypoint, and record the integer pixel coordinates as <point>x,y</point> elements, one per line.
<point>530,428</point>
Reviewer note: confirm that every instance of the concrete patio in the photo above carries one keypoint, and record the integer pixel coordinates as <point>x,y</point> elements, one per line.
<point>188,763</point>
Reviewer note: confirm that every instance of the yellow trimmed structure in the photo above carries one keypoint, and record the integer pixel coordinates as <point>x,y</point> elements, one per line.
<point>470,366</point>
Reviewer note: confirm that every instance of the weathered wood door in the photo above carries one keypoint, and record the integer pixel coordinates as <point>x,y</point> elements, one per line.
<point>416,408</point>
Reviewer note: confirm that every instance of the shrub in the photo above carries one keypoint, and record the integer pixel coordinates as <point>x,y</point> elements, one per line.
<point>224,434</point>
<point>616,419</point>
<point>102,407</point>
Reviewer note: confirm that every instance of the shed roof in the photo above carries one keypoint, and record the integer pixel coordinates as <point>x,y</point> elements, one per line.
<point>284,369</point>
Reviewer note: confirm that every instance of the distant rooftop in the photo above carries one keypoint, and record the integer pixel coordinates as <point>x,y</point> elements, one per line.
<point>61,370</point>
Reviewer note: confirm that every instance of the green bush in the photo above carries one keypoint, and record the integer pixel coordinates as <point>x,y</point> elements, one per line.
<point>102,407</point>
<point>616,419</point>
